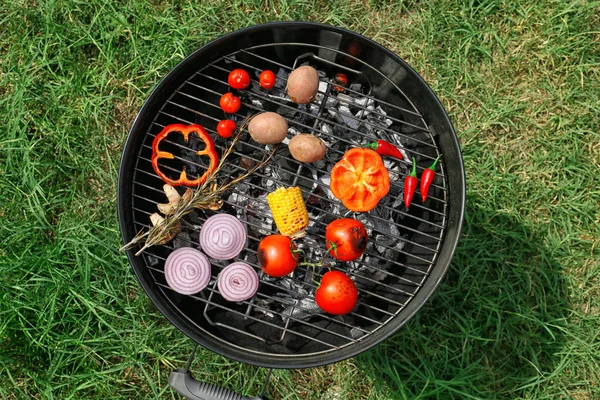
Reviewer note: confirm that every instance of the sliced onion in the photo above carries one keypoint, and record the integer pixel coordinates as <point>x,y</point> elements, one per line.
<point>237,282</point>
<point>187,270</point>
<point>222,236</point>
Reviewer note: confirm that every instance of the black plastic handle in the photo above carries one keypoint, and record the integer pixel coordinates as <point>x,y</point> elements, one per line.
<point>185,384</point>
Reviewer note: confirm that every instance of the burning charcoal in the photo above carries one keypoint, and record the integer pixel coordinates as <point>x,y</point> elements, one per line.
<point>302,308</point>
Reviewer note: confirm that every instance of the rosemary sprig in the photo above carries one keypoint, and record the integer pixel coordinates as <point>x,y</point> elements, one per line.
<point>205,196</point>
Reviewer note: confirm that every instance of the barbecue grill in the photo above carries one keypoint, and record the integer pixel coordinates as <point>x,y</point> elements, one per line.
<point>409,249</point>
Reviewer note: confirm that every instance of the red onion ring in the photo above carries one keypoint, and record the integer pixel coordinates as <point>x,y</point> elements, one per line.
<point>187,270</point>
<point>222,237</point>
<point>237,282</point>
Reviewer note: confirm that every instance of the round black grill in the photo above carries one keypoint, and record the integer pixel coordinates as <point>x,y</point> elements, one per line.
<point>409,250</point>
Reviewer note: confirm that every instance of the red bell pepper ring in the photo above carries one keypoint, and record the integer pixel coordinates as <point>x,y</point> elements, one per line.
<point>384,148</point>
<point>185,130</point>
<point>410,185</point>
<point>427,178</point>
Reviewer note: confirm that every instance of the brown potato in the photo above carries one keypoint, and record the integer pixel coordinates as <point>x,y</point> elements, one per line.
<point>307,148</point>
<point>268,128</point>
<point>303,84</point>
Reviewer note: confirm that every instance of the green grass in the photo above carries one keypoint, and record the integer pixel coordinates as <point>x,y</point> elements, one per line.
<point>518,314</point>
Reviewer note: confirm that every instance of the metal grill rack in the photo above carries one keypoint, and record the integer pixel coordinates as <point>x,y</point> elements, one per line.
<point>265,324</point>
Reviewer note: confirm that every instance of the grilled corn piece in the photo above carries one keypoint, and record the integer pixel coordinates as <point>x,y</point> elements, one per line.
<point>289,211</point>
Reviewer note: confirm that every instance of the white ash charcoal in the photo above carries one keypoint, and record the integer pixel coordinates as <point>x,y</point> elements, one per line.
<point>345,100</point>
<point>293,131</point>
<point>331,102</point>
<point>313,249</point>
<point>380,115</point>
<point>313,109</point>
<point>384,244</point>
<point>357,87</point>
<point>369,104</point>
<point>333,112</point>
<point>294,288</point>
<point>151,260</point>
<point>262,227</point>
<point>396,170</point>
<point>263,306</point>
<point>182,239</point>
<point>281,80</point>
<point>257,103</point>
<point>326,129</point>
<point>302,308</point>
<point>369,272</point>
<point>356,333</point>
<point>322,86</point>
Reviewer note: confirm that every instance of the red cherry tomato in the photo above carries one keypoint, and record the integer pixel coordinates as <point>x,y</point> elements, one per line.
<point>276,255</point>
<point>225,128</point>
<point>238,79</point>
<point>346,239</point>
<point>230,103</point>
<point>267,79</point>
<point>337,293</point>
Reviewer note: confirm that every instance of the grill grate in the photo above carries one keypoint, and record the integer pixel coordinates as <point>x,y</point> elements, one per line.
<point>278,320</point>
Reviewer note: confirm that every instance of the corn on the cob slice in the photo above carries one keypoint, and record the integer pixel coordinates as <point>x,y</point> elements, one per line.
<point>289,211</point>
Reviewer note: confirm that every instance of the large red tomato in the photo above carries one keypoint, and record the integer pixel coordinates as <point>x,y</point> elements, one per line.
<point>346,239</point>
<point>276,255</point>
<point>337,293</point>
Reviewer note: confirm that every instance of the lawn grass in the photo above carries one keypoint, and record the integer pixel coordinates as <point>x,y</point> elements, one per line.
<point>517,316</point>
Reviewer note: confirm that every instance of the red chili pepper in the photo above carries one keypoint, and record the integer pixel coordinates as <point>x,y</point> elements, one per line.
<point>410,185</point>
<point>185,131</point>
<point>384,148</point>
<point>427,179</point>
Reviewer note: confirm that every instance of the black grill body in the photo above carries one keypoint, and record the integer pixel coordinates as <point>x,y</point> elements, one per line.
<point>260,331</point>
